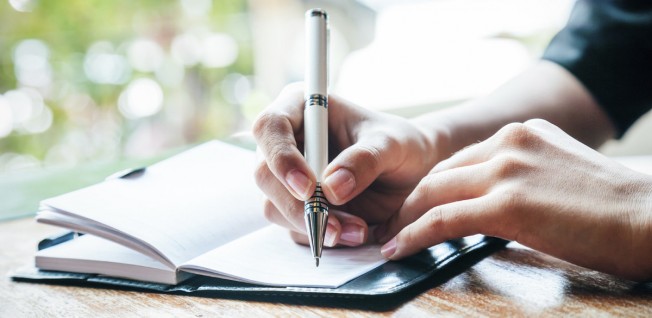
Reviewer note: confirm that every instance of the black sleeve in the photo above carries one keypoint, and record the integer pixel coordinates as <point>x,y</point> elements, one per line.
<point>607,45</point>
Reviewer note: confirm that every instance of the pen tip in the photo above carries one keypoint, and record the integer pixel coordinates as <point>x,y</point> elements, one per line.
<point>316,262</point>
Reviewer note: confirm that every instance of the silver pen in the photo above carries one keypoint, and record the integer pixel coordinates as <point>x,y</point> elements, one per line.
<point>315,124</point>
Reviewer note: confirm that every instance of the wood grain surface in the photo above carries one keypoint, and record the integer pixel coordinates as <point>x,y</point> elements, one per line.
<point>513,282</point>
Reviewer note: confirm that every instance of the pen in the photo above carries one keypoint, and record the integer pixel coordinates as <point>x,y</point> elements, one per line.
<point>315,124</point>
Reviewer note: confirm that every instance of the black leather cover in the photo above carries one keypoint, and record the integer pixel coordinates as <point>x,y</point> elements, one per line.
<point>385,286</point>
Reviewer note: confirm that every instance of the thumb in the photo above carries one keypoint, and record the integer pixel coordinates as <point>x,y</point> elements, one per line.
<point>354,169</point>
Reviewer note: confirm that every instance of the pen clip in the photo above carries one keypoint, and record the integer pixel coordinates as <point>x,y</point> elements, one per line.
<point>57,239</point>
<point>127,173</point>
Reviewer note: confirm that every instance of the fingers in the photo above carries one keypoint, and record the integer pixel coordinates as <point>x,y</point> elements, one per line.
<point>472,154</point>
<point>283,209</point>
<point>355,168</point>
<point>302,238</point>
<point>352,171</point>
<point>477,190</point>
<point>275,131</point>
<point>354,231</point>
<point>437,189</point>
<point>333,229</point>
<point>438,225</point>
<point>457,198</point>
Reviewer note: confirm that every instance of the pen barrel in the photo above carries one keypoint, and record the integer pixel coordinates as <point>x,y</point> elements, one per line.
<point>315,120</point>
<point>315,124</point>
<point>316,92</point>
<point>316,71</point>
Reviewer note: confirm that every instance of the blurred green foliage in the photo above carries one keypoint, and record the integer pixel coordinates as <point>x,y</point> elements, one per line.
<point>87,123</point>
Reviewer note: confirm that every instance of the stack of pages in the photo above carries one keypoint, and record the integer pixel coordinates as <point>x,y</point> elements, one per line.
<point>197,213</point>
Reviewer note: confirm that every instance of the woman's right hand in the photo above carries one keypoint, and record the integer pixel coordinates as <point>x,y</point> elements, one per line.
<point>377,160</point>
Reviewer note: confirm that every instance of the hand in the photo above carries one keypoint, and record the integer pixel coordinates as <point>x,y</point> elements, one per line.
<point>534,184</point>
<point>377,160</point>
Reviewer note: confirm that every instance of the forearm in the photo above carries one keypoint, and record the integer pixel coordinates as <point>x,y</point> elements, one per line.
<point>545,91</point>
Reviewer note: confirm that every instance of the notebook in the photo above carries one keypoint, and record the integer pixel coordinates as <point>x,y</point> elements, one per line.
<point>194,223</point>
<point>197,213</point>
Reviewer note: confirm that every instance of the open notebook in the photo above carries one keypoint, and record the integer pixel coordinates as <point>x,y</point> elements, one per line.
<point>197,213</point>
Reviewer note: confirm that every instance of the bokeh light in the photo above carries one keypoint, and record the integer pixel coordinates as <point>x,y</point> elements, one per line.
<point>40,122</point>
<point>13,161</point>
<point>187,49</point>
<point>21,106</point>
<point>22,5</point>
<point>196,8</point>
<point>236,88</point>
<point>6,118</point>
<point>145,55</point>
<point>29,113</point>
<point>94,80</point>
<point>32,66</point>
<point>142,98</point>
<point>219,50</point>
<point>170,73</point>
<point>103,65</point>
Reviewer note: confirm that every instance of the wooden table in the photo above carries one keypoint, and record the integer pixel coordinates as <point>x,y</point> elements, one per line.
<point>513,282</point>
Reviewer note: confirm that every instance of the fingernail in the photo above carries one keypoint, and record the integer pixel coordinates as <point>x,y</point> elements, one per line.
<point>299,183</point>
<point>341,182</point>
<point>329,239</point>
<point>389,249</point>
<point>380,232</point>
<point>352,234</point>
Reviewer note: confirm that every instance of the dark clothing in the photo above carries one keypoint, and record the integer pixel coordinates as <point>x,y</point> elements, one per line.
<point>607,45</point>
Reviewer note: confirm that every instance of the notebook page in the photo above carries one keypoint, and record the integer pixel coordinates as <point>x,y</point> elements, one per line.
<point>93,255</point>
<point>182,206</point>
<point>270,257</point>
<point>83,225</point>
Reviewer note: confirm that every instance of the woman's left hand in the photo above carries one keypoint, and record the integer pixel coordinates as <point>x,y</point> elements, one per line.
<point>534,184</point>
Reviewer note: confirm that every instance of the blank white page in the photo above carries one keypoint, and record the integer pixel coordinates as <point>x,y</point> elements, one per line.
<point>270,257</point>
<point>93,255</point>
<point>183,206</point>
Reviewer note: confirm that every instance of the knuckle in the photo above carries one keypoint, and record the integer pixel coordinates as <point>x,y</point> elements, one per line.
<point>271,131</point>
<point>425,186</point>
<point>508,165</point>
<point>517,135</point>
<point>511,200</point>
<point>290,206</point>
<point>538,122</point>
<point>269,210</point>
<point>264,122</point>
<point>293,212</point>
<point>510,129</point>
<point>278,157</point>
<point>370,155</point>
<point>424,236</point>
<point>410,237</point>
<point>435,220</point>
<point>388,142</point>
<point>262,174</point>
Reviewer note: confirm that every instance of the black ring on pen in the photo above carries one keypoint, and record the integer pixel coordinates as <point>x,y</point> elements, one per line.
<point>317,100</point>
<point>318,13</point>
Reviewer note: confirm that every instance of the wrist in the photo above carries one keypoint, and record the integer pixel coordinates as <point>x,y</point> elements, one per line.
<point>436,136</point>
